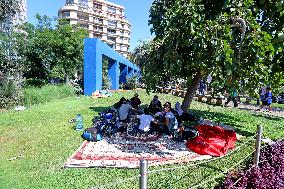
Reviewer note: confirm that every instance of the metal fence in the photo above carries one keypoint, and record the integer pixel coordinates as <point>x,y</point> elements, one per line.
<point>145,174</point>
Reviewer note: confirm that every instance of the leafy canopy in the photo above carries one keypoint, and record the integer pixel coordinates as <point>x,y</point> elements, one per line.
<point>195,38</point>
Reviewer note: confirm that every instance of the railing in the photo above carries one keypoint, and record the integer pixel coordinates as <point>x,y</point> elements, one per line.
<point>145,173</point>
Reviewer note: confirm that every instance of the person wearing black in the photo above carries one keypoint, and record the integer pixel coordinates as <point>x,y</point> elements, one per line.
<point>155,105</point>
<point>119,103</point>
<point>135,101</point>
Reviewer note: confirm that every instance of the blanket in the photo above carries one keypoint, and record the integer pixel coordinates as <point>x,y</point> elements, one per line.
<point>123,152</point>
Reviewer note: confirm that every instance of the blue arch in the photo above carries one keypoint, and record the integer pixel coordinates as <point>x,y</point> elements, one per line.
<point>118,66</point>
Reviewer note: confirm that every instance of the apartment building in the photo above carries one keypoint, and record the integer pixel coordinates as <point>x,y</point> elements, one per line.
<point>103,20</point>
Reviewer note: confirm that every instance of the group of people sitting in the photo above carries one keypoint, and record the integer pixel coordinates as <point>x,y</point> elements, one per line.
<point>128,116</point>
<point>153,118</point>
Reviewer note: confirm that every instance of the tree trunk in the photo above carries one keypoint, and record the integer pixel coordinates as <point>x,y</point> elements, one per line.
<point>190,92</point>
<point>67,79</point>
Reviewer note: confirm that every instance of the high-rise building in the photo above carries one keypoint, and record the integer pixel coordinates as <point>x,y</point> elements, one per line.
<point>103,20</point>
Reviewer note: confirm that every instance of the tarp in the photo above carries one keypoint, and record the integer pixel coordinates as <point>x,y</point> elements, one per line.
<point>212,140</point>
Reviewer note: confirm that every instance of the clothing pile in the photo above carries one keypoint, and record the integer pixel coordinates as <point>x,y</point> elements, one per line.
<point>101,94</point>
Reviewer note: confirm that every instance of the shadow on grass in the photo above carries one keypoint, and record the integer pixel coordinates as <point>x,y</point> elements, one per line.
<point>99,108</point>
<point>270,117</point>
<point>225,119</point>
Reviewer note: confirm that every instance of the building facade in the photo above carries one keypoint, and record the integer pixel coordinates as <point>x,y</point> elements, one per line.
<point>103,20</point>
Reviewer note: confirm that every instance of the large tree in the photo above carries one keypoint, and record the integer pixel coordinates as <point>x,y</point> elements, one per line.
<point>195,38</point>
<point>50,51</point>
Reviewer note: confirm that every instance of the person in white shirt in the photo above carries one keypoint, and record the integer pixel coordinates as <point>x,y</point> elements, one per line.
<point>145,121</point>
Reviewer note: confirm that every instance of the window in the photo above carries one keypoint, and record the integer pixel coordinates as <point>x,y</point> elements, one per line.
<point>86,26</point>
<point>70,2</point>
<point>111,39</point>
<point>112,23</point>
<point>111,31</point>
<point>83,17</point>
<point>97,6</point>
<point>111,10</point>
<point>98,20</point>
<point>100,29</point>
<point>97,36</point>
<point>65,14</point>
<point>110,45</point>
<point>83,3</point>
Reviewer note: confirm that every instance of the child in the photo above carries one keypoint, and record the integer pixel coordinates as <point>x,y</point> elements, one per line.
<point>268,99</point>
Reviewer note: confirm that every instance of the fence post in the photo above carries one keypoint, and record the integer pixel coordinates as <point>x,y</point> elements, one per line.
<point>143,174</point>
<point>257,145</point>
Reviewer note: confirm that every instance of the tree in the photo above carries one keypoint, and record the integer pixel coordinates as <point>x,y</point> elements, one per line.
<point>50,52</point>
<point>194,38</point>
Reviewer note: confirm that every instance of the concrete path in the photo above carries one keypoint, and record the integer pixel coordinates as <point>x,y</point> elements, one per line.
<point>277,112</point>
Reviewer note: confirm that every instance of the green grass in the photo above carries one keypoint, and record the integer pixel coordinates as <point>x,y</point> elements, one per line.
<point>41,133</point>
<point>47,93</point>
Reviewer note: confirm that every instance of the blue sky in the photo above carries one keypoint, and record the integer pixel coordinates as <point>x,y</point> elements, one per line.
<point>136,11</point>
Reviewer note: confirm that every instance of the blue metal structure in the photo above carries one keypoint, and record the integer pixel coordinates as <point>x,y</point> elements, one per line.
<point>118,67</point>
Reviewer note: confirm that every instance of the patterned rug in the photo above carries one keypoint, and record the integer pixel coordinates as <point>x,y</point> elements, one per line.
<point>123,152</point>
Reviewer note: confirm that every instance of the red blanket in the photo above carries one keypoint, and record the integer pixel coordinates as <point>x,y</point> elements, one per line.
<point>212,140</point>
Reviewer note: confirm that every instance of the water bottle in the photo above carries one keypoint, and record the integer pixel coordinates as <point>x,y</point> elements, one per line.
<point>79,123</point>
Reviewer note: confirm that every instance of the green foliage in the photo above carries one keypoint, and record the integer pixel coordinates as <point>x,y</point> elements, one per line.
<point>10,94</point>
<point>35,82</point>
<point>106,82</point>
<point>48,51</point>
<point>48,93</point>
<point>132,81</point>
<point>195,38</point>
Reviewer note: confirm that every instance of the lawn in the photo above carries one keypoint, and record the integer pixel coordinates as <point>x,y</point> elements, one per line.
<point>45,139</point>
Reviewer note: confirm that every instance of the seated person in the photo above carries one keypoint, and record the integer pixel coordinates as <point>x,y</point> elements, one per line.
<point>183,116</point>
<point>178,109</point>
<point>155,105</point>
<point>135,101</point>
<point>145,121</point>
<point>123,112</point>
<point>166,121</point>
<point>119,103</point>
<point>171,122</point>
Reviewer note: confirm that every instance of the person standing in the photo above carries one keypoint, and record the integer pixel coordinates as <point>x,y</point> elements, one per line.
<point>232,96</point>
<point>267,99</point>
<point>262,93</point>
<point>202,86</point>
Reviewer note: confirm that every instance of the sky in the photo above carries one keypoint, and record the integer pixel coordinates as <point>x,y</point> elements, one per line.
<point>136,11</point>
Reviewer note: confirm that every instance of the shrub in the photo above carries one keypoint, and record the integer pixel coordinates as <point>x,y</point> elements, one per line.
<point>34,82</point>
<point>269,173</point>
<point>10,94</point>
<point>35,95</point>
<point>132,81</point>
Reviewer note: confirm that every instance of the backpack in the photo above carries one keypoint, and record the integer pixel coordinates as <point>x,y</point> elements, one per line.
<point>92,134</point>
<point>185,133</point>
